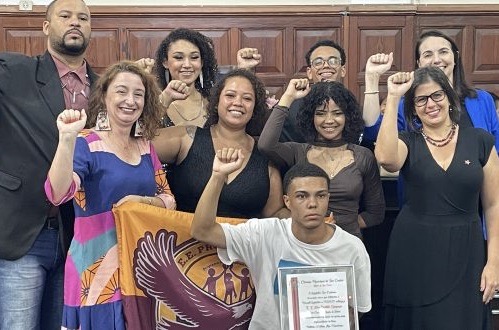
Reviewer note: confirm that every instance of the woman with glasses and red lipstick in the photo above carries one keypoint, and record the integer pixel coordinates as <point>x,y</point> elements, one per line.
<point>438,273</point>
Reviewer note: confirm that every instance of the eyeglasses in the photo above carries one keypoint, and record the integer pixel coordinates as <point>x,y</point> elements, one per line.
<point>437,96</point>
<point>333,62</point>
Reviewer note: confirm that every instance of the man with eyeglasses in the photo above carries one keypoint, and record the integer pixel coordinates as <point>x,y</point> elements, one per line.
<point>325,62</point>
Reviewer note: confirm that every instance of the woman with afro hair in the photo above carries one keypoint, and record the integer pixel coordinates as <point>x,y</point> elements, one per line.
<point>186,69</point>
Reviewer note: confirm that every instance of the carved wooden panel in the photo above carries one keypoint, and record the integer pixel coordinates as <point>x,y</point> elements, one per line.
<point>305,38</point>
<point>486,50</point>
<point>270,43</point>
<point>104,48</point>
<point>283,35</point>
<point>367,37</point>
<point>221,40</point>
<point>143,43</point>
<point>477,37</point>
<point>30,42</point>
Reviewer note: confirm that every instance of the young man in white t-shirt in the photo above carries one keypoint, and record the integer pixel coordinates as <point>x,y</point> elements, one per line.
<point>265,244</point>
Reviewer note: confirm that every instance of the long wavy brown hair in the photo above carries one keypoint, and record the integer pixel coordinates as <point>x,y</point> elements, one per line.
<point>151,115</point>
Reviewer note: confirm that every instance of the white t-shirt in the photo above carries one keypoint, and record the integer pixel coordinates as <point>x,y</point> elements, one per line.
<point>262,243</point>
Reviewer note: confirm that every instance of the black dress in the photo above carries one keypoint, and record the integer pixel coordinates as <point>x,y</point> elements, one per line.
<point>243,197</point>
<point>437,250</point>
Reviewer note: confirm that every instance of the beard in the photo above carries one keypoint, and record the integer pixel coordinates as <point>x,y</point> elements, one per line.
<point>67,46</point>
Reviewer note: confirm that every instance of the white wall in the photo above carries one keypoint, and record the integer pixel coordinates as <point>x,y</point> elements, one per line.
<point>252,2</point>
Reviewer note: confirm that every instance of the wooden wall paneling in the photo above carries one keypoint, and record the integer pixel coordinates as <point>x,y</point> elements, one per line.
<point>142,42</point>
<point>477,37</point>
<point>378,34</point>
<point>23,35</point>
<point>223,45</point>
<point>283,34</point>
<point>305,38</point>
<point>30,42</point>
<point>485,70</point>
<point>270,43</point>
<point>145,42</point>
<point>104,48</point>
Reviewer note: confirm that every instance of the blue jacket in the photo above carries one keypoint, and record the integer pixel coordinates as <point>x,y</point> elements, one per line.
<point>481,109</point>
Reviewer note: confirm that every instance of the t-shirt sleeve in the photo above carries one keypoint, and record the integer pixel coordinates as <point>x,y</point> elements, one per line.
<point>486,142</point>
<point>405,137</point>
<point>241,242</point>
<point>363,281</point>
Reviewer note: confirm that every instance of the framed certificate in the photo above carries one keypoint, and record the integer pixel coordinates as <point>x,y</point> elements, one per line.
<point>317,297</point>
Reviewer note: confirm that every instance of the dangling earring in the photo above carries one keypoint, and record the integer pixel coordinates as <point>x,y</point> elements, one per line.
<point>201,79</point>
<point>167,77</point>
<point>139,127</point>
<point>450,109</point>
<point>102,123</point>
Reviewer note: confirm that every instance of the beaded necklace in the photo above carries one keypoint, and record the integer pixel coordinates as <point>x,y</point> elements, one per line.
<point>442,142</point>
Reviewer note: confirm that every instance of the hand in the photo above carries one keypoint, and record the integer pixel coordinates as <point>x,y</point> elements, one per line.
<point>399,83</point>
<point>330,219</point>
<point>379,63</point>
<point>71,121</point>
<point>248,58</point>
<point>146,63</point>
<point>175,90</point>
<point>130,198</point>
<point>271,101</point>
<point>227,161</point>
<point>297,88</point>
<point>489,283</point>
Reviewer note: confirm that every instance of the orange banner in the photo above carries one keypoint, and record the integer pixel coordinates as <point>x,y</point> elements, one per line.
<point>171,281</point>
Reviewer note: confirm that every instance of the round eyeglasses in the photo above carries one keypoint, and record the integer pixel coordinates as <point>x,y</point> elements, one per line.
<point>437,96</point>
<point>333,62</point>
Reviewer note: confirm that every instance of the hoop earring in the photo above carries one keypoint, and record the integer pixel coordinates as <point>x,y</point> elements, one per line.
<point>139,128</point>
<point>102,123</point>
<point>201,79</point>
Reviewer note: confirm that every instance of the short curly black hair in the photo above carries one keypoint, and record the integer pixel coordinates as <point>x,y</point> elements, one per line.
<point>207,50</point>
<point>255,125</point>
<point>319,94</point>
<point>326,43</point>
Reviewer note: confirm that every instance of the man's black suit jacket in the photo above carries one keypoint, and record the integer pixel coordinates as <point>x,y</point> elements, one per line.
<point>31,97</point>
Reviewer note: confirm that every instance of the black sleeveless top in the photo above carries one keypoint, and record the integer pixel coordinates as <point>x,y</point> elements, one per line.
<point>244,197</point>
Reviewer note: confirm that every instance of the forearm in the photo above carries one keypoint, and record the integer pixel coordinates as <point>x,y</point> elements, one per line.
<point>371,108</point>
<point>283,213</point>
<point>163,200</point>
<point>269,138</point>
<point>492,224</point>
<point>61,171</point>
<point>387,141</point>
<point>165,100</point>
<point>204,227</point>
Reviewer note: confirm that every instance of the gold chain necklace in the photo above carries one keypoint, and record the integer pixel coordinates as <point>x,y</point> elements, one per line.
<point>333,169</point>
<point>189,119</point>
